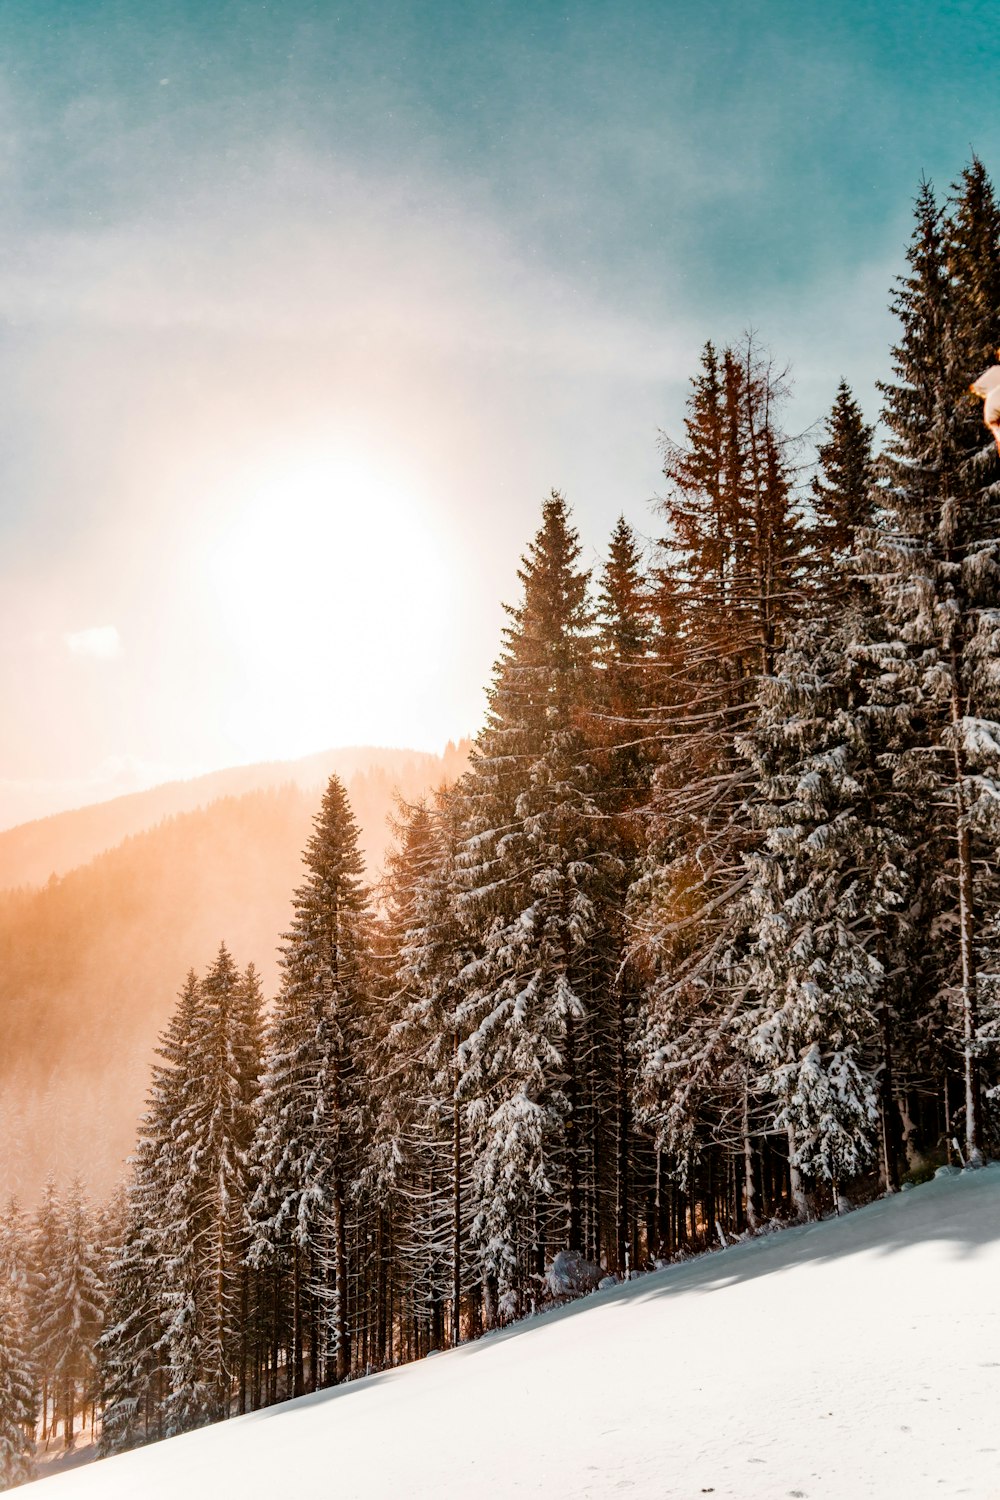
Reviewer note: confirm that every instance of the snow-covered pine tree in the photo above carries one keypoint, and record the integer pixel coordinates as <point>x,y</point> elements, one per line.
<point>15,1253</point>
<point>734,553</point>
<point>44,1243</point>
<point>307,1149</point>
<point>939,575</point>
<point>202,1228</point>
<point>129,1351</point>
<point>18,1375</point>
<point>842,494</point>
<point>134,1351</point>
<point>826,886</point>
<point>531,875</point>
<point>420,1136</point>
<point>18,1399</point>
<point>72,1309</point>
<point>632,682</point>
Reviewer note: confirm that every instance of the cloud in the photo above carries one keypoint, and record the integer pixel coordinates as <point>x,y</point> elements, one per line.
<point>326,251</point>
<point>101,642</point>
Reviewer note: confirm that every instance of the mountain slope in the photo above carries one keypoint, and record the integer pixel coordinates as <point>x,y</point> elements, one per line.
<point>91,962</point>
<point>855,1358</point>
<point>33,851</point>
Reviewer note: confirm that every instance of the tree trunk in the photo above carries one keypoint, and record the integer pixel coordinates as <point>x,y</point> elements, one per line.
<point>800,1200</point>
<point>750,1193</point>
<point>298,1383</point>
<point>574,1227</point>
<point>340,1285</point>
<point>889,1125</point>
<point>456,1188</point>
<point>970,1006</point>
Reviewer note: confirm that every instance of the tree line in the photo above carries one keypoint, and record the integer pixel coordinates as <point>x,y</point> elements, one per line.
<point>705,937</point>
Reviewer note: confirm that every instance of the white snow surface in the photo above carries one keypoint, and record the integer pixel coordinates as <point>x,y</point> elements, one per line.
<point>855,1357</point>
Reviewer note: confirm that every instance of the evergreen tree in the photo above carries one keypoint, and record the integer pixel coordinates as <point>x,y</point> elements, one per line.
<point>130,1351</point>
<point>532,880</point>
<point>420,1145</point>
<point>18,1375</point>
<point>134,1348</point>
<point>44,1249</point>
<point>842,491</point>
<point>635,643</point>
<point>309,1135</point>
<point>18,1403</point>
<point>203,1225</point>
<point>940,586</point>
<point>72,1308</point>
<point>827,886</point>
<point>736,549</point>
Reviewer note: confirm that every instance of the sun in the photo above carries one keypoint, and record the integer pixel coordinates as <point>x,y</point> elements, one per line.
<point>331,582</point>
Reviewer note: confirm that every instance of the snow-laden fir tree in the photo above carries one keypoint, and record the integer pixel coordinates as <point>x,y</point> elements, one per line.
<point>134,1349</point>
<point>18,1374</point>
<point>71,1309</point>
<point>18,1399</point>
<point>130,1351</point>
<point>531,874</point>
<point>175,1341</point>
<point>823,905</point>
<point>631,684</point>
<point>734,551</point>
<point>842,495</point>
<point>307,1150</point>
<point>420,1136</point>
<point>202,1226</point>
<point>44,1242</point>
<point>939,576</point>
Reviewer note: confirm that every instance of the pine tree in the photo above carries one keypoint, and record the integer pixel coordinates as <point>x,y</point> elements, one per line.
<point>18,1402</point>
<point>134,1349</point>
<point>310,1126</point>
<point>420,1140</point>
<point>130,1351</point>
<point>940,586</point>
<point>532,877</point>
<point>18,1375</point>
<point>823,908</point>
<point>842,491</point>
<point>44,1248</point>
<point>203,1225</point>
<point>72,1309</point>
<point>635,642</point>
<point>736,550</point>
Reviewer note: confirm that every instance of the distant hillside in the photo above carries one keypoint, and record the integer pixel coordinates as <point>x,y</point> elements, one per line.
<point>31,852</point>
<point>91,961</point>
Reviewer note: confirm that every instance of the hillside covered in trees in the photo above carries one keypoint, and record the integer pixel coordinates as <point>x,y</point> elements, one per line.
<point>89,959</point>
<point>704,938</point>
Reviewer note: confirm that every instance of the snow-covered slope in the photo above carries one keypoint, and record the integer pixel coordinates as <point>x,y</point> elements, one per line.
<point>856,1357</point>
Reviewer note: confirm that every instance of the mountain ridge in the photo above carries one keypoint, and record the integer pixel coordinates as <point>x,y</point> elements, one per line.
<point>91,960</point>
<point>33,851</point>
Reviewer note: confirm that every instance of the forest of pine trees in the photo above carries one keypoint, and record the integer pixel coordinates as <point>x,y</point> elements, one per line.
<point>706,937</point>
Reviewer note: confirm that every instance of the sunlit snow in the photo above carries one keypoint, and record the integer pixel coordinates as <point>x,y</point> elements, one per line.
<point>858,1357</point>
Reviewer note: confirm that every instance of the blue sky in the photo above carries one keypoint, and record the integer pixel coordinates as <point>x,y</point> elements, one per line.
<point>473,247</point>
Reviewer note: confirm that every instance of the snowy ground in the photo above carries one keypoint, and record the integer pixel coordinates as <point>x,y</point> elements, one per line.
<point>853,1358</point>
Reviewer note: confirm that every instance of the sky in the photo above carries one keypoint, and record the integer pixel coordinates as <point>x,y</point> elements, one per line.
<point>305,307</point>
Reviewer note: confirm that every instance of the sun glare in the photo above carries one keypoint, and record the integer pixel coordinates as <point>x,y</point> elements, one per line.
<point>330,580</point>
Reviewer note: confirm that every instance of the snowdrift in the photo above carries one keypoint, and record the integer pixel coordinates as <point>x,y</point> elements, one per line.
<point>851,1358</point>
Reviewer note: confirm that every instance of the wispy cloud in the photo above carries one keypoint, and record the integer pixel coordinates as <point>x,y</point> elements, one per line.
<point>102,642</point>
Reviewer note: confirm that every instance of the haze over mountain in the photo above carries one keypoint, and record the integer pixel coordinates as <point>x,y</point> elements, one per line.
<point>31,852</point>
<point>91,960</point>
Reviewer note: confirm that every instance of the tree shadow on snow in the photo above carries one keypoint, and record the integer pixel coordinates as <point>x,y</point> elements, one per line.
<point>963,1211</point>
